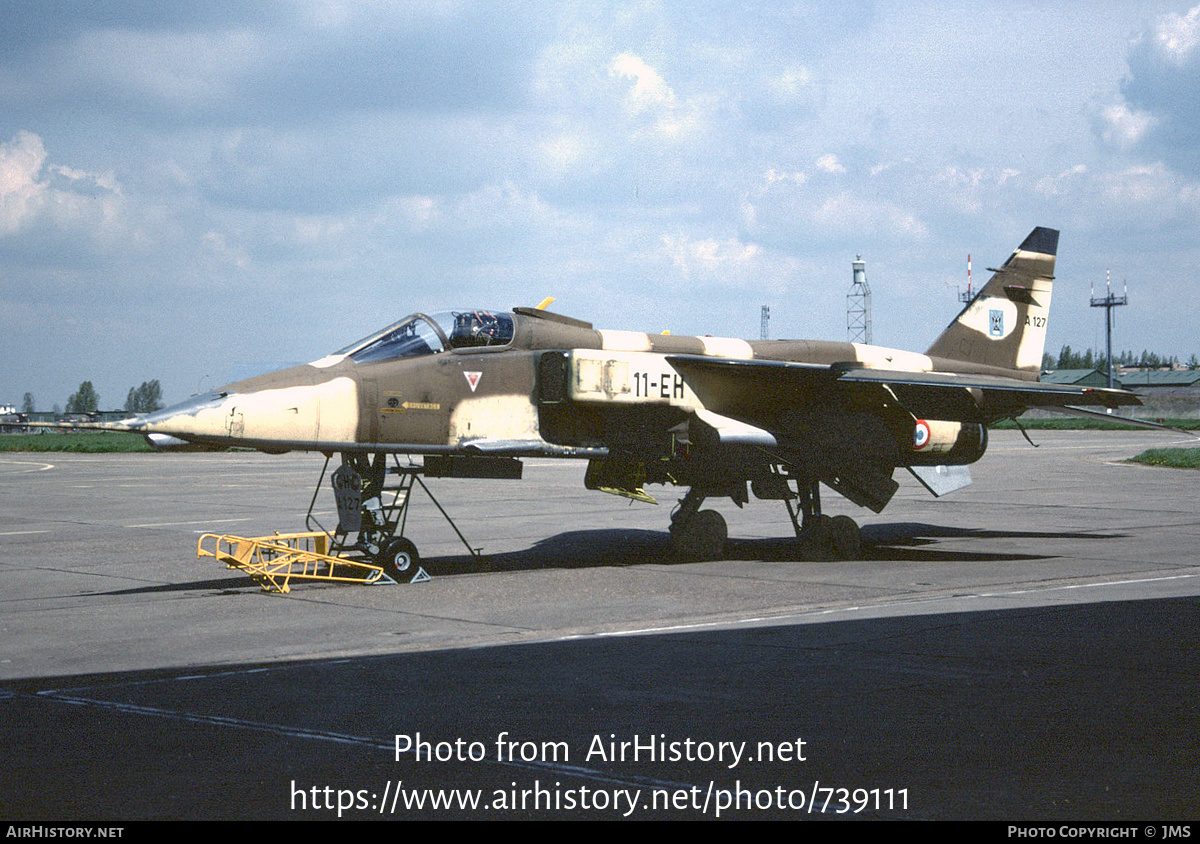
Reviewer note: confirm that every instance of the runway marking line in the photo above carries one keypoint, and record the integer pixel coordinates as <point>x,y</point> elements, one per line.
<point>701,625</point>
<point>42,467</point>
<point>62,696</point>
<point>196,522</point>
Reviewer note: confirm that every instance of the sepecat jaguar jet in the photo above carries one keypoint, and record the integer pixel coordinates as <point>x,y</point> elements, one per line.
<point>472,391</point>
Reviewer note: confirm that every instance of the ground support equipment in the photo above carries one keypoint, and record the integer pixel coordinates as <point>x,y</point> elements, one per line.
<point>273,561</point>
<point>373,513</point>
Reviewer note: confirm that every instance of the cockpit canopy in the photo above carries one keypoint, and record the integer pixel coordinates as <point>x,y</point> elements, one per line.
<point>421,334</point>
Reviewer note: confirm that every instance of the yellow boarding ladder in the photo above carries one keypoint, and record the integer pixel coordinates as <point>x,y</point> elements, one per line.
<point>274,560</point>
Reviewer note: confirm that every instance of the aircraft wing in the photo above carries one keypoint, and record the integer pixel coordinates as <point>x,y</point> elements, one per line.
<point>933,395</point>
<point>981,398</point>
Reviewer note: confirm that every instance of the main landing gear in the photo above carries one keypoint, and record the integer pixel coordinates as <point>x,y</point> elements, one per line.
<point>697,534</point>
<point>701,534</point>
<point>835,537</point>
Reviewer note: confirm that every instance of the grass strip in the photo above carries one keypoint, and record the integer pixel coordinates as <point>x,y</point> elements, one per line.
<point>89,442</point>
<point>1176,458</point>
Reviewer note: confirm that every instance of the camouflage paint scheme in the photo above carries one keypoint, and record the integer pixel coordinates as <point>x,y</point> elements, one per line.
<point>708,413</point>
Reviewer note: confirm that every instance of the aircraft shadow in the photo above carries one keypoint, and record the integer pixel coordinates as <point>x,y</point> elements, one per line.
<point>918,542</point>
<point>900,541</point>
<point>911,542</point>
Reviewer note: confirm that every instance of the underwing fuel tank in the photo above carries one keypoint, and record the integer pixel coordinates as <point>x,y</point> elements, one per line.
<point>940,443</point>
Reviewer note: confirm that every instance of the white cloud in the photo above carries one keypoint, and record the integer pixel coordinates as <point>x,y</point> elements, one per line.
<point>1158,111</point>
<point>830,164</point>
<point>1006,174</point>
<point>792,85</point>
<point>650,98</point>
<point>414,213</point>
<point>1124,127</point>
<point>216,246</point>
<point>21,193</point>
<point>564,151</point>
<point>650,91</point>
<point>505,204</point>
<point>1063,183</point>
<point>847,213</point>
<point>33,191</point>
<point>714,268</point>
<point>1151,188</point>
<point>969,189</point>
<point>1128,199</point>
<point>1177,35</point>
<point>794,177</point>
<point>728,261</point>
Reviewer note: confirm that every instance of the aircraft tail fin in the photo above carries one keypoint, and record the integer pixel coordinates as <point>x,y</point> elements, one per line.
<point>1005,324</point>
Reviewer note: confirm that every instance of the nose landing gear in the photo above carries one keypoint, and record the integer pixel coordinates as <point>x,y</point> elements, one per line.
<point>375,513</point>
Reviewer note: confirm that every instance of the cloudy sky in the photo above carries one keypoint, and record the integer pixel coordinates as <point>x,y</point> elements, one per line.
<point>190,190</point>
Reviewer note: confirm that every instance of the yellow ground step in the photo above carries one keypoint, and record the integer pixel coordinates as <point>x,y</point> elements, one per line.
<point>275,560</point>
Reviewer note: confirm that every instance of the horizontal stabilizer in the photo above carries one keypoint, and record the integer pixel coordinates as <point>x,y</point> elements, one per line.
<point>1122,420</point>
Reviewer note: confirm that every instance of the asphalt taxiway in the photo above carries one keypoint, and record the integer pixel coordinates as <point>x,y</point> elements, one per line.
<point>1024,648</point>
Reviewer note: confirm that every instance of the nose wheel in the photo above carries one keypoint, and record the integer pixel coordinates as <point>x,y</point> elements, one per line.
<point>400,561</point>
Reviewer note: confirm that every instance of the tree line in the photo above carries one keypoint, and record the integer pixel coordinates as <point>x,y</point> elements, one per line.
<point>1089,359</point>
<point>144,399</point>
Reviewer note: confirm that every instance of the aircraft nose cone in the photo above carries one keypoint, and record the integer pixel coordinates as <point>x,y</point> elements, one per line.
<point>275,413</point>
<point>191,406</point>
<point>198,419</point>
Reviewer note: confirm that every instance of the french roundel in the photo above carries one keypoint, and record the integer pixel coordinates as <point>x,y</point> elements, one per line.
<point>920,434</point>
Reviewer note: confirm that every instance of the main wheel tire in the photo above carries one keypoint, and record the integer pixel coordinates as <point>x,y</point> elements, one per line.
<point>702,537</point>
<point>400,560</point>
<point>817,529</point>
<point>681,542</point>
<point>711,533</point>
<point>845,537</point>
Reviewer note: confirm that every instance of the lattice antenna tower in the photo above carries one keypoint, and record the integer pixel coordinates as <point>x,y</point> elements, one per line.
<point>1109,302</point>
<point>766,318</point>
<point>858,305</point>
